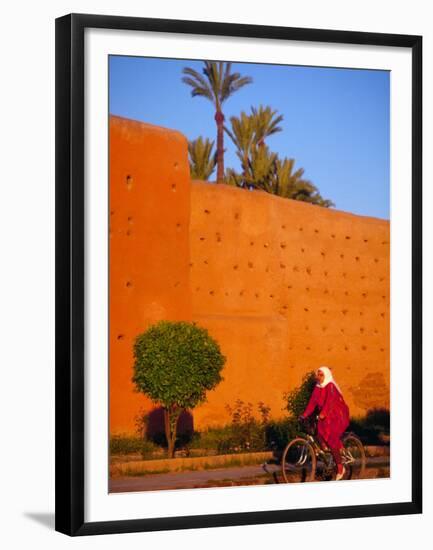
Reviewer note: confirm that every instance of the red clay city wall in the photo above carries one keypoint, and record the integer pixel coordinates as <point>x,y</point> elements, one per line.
<point>285,287</point>
<point>149,248</point>
<point>282,285</point>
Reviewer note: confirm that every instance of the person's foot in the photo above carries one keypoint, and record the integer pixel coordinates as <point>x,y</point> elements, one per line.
<point>340,472</point>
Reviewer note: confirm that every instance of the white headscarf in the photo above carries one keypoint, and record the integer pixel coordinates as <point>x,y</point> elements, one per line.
<point>328,378</point>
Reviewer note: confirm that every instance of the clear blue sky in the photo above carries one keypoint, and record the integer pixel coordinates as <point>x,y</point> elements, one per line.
<point>336,121</point>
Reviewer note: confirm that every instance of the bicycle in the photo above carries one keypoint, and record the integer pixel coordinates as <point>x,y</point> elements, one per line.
<point>304,459</point>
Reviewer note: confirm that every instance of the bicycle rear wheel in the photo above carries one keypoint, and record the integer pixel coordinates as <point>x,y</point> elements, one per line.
<point>353,457</point>
<point>298,463</point>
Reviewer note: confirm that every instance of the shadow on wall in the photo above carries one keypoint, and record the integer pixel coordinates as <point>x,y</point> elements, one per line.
<point>155,427</point>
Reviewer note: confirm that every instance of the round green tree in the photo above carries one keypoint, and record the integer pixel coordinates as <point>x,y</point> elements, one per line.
<point>175,364</point>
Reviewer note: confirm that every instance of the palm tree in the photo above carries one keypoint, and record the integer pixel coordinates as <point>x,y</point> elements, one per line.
<point>265,123</point>
<point>202,160</point>
<point>291,184</point>
<point>217,85</point>
<point>243,136</point>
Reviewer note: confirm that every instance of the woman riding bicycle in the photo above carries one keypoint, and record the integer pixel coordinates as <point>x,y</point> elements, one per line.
<point>333,412</point>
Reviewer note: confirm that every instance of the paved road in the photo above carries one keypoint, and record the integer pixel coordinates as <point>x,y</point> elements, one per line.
<point>223,477</point>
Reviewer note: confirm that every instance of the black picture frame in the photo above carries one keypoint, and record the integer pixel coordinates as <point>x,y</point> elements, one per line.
<point>70,281</point>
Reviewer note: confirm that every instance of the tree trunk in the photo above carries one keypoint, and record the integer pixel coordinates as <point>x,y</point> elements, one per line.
<point>219,119</point>
<point>171,416</point>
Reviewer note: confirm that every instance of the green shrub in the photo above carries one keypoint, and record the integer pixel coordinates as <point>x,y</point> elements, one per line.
<point>379,418</point>
<point>279,432</point>
<point>297,399</point>
<point>124,445</point>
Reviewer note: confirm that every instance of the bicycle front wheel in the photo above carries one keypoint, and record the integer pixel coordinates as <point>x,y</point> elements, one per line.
<point>299,461</point>
<point>353,457</point>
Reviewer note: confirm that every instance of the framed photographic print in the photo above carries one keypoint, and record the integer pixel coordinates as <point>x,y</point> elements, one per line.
<point>238,274</point>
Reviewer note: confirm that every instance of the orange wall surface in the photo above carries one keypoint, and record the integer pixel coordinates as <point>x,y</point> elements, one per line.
<point>283,286</point>
<point>149,248</point>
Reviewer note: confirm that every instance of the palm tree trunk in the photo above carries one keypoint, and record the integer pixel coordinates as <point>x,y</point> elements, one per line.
<point>219,119</point>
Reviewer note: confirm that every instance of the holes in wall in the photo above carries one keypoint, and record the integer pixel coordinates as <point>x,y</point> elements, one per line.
<point>257,295</point>
<point>176,284</point>
<point>176,165</point>
<point>283,227</point>
<point>344,275</point>
<point>332,236</point>
<point>347,237</point>
<point>251,243</point>
<point>120,336</point>
<point>128,233</point>
<point>289,287</point>
<point>326,291</point>
<point>316,231</point>
<point>271,295</point>
<point>206,211</point>
<point>173,188</point>
<point>366,240</point>
<point>237,215</point>
<point>283,266</point>
<point>202,238</point>
<point>266,245</point>
<point>178,226</point>
<point>241,292</point>
<point>250,265</point>
<point>376,260</point>
<point>308,270</point>
<point>130,219</point>
<point>212,292</point>
<point>283,245</point>
<point>325,273</point>
<point>218,237</point>
<point>324,311</point>
<point>235,267</point>
<point>300,228</point>
<point>129,182</point>
<point>364,348</point>
<point>344,311</point>
<point>302,250</point>
<point>364,295</point>
<point>128,284</point>
<point>322,253</point>
<point>357,258</point>
<point>205,262</point>
<point>307,289</point>
<point>341,256</point>
<point>306,309</point>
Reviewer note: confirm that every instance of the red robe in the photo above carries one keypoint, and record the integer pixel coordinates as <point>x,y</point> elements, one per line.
<point>330,403</point>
